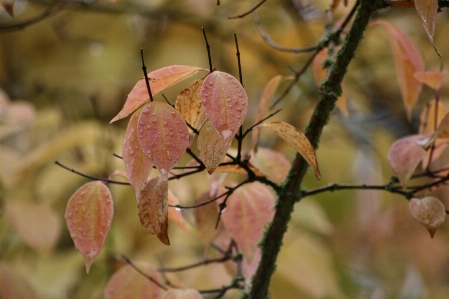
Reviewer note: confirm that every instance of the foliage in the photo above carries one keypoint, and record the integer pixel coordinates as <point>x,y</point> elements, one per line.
<point>228,190</point>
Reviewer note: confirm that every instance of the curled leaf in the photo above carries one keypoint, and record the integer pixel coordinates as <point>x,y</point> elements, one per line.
<point>153,208</point>
<point>160,80</point>
<point>248,210</point>
<point>163,135</point>
<point>137,165</point>
<point>408,61</point>
<point>429,211</point>
<point>225,102</point>
<point>212,147</point>
<point>89,215</point>
<point>298,140</point>
<point>404,155</point>
<point>188,103</point>
<point>127,283</point>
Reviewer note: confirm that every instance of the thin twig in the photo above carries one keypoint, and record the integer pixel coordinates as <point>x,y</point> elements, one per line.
<point>249,11</point>
<point>90,176</point>
<point>144,69</point>
<point>129,262</point>
<point>208,50</point>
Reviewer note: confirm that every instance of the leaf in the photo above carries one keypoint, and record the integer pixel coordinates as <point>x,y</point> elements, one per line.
<point>153,208</point>
<point>272,163</point>
<point>431,118</point>
<point>212,147</point>
<point>408,61</point>
<point>404,155</point>
<point>137,165</point>
<point>443,127</point>
<point>37,224</point>
<point>267,95</point>
<point>163,135</point>
<point>206,217</point>
<point>188,103</point>
<point>174,214</point>
<point>8,5</point>
<point>320,73</point>
<point>127,283</point>
<point>89,215</point>
<point>160,80</point>
<point>432,79</point>
<point>182,294</point>
<point>427,11</point>
<point>225,102</point>
<point>298,140</point>
<point>248,210</point>
<point>429,211</point>
<point>14,285</point>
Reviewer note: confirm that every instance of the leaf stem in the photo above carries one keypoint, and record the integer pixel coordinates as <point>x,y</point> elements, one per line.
<point>144,69</point>
<point>208,50</point>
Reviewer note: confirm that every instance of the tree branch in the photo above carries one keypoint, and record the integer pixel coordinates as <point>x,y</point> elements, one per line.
<point>290,191</point>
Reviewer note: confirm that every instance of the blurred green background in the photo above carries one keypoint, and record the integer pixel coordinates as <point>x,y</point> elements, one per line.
<point>64,77</point>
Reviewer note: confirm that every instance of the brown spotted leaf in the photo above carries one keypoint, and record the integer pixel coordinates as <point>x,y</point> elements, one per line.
<point>89,215</point>
<point>429,211</point>
<point>248,211</point>
<point>408,61</point>
<point>298,140</point>
<point>127,283</point>
<point>267,95</point>
<point>153,208</point>
<point>163,135</point>
<point>160,80</point>
<point>183,294</point>
<point>404,155</point>
<point>188,103</point>
<point>212,147</point>
<point>432,79</point>
<point>225,102</point>
<point>137,165</point>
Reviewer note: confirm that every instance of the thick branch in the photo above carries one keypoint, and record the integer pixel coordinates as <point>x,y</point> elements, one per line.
<point>290,192</point>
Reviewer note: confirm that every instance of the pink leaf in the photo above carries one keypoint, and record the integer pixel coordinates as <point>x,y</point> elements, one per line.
<point>248,210</point>
<point>408,61</point>
<point>188,103</point>
<point>206,217</point>
<point>137,165</point>
<point>182,294</point>
<point>160,80</point>
<point>14,285</point>
<point>225,102</point>
<point>404,155</point>
<point>429,211</point>
<point>272,163</point>
<point>153,208</point>
<point>89,215</point>
<point>212,147</point>
<point>298,140</point>
<point>37,224</point>
<point>163,135</point>
<point>127,283</point>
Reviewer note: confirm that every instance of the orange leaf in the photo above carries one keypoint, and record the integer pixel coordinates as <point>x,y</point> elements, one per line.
<point>429,211</point>
<point>14,285</point>
<point>404,155</point>
<point>427,11</point>
<point>432,79</point>
<point>163,135</point>
<point>182,294</point>
<point>430,118</point>
<point>137,165</point>
<point>127,283</point>
<point>248,210</point>
<point>174,214</point>
<point>267,95</point>
<point>408,61</point>
<point>89,215</point>
<point>225,102</point>
<point>212,147</point>
<point>443,128</point>
<point>153,208</point>
<point>37,224</point>
<point>188,103</point>
<point>160,80</point>
<point>271,163</point>
<point>298,140</point>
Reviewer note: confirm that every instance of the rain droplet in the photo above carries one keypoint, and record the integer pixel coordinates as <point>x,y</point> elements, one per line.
<point>165,123</point>
<point>178,209</point>
<point>173,114</point>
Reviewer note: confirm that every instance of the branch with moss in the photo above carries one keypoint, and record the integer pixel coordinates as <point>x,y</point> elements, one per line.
<point>290,192</point>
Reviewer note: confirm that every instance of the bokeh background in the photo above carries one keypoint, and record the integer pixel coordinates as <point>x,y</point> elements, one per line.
<point>64,77</point>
